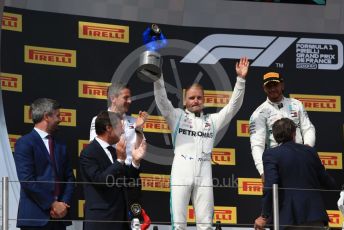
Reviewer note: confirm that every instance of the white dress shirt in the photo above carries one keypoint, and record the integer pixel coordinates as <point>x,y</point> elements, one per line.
<point>44,136</point>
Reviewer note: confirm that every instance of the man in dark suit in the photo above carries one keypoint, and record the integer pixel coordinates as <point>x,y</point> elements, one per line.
<point>299,173</point>
<point>42,163</point>
<point>103,168</point>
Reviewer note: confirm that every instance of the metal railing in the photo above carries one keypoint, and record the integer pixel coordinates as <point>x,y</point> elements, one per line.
<point>275,206</point>
<point>5,203</point>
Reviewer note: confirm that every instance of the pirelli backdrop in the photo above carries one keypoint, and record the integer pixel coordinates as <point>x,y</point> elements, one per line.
<point>73,59</point>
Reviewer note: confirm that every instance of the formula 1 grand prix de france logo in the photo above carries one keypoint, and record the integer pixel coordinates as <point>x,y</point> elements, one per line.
<point>263,51</point>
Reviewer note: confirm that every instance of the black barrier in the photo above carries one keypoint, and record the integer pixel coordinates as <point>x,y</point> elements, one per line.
<point>74,58</point>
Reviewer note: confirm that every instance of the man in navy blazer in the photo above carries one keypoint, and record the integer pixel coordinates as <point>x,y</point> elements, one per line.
<point>299,173</point>
<point>41,163</point>
<point>103,169</point>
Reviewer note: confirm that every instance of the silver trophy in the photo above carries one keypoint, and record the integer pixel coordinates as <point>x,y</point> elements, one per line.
<point>150,61</point>
<point>149,66</point>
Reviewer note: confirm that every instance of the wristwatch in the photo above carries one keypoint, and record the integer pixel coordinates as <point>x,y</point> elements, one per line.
<point>139,130</point>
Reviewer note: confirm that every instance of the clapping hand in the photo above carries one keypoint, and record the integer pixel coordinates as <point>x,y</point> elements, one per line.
<point>139,152</point>
<point>141,119</point>
<point>121,148</point>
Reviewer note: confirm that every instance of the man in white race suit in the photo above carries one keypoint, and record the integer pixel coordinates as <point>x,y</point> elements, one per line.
<point>193,135</point>
<point>274,108</point>
<point>119,101</point>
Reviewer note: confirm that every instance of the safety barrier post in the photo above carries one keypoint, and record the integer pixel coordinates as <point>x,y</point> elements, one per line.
<point>275,206</point>
<point>4,203</point>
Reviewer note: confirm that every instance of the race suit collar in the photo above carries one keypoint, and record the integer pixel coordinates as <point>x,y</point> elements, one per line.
<point>193,114</point>
<point>276,104</point>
